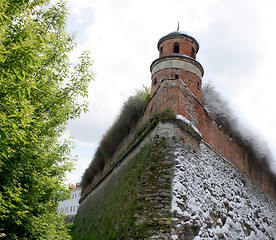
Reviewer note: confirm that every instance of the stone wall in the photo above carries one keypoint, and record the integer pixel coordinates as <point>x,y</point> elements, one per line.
<point>211,199</point>
<point>173,185</point>
<point>134,200</point>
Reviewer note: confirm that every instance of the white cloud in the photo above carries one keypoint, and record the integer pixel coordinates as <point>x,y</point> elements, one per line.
<point>237,49</point>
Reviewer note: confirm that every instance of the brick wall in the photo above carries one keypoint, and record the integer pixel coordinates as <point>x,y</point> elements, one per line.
<point>174,94</point>
<point>191,80</point>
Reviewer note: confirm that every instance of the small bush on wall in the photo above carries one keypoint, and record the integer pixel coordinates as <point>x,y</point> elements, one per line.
<point>220,111</point>
<point>131,112</point>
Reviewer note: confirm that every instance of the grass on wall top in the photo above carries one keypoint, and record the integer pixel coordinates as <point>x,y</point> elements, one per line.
<point>131,112</point>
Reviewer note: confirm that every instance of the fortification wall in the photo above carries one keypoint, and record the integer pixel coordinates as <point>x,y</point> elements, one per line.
<point>175,95</point>
<point>134,200</point>
<point>121,147</point>
<point>173,185</point>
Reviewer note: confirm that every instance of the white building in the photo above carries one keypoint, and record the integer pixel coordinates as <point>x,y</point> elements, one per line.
<point>70,206</point>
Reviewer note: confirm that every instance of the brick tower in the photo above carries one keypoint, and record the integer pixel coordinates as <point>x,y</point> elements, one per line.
<point>177,60</point>
<point>176,84</point>
<point>176,76</point>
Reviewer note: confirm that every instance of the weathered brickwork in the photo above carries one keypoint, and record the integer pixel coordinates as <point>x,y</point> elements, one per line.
<point>192,81</point>
<point>174,94</point>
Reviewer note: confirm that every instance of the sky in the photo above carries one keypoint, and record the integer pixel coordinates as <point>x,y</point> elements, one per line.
<point>237,50</point>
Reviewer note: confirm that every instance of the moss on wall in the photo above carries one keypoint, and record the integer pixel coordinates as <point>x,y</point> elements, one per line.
<point>164,116</point>
<point>133,203</point>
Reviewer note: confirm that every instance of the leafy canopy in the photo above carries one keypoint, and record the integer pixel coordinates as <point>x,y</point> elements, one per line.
<point>39,93</point>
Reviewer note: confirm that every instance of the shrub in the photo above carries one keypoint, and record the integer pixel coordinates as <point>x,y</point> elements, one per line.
<point>131,112</point>
<point>220,111</point>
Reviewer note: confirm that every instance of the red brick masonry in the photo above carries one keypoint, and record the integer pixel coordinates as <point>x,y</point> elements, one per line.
<point>174,94</point>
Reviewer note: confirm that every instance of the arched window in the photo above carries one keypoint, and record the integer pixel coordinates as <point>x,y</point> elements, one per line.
<point>193,53</point>
<point>176,48</point>
<point>161,51</point>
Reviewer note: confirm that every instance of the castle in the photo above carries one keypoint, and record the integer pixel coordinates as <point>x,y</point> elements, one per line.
<point>184,177</point>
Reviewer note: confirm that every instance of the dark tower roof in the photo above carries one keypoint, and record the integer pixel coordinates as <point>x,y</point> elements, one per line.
<point>177,34</point>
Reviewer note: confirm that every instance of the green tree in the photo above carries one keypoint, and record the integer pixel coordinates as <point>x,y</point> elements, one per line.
<point>40,92</point>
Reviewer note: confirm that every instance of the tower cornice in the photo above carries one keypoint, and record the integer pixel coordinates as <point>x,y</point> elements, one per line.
<point>179,58</point>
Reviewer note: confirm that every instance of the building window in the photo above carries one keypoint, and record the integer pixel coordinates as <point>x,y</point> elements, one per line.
<point>193,53</point>
<point>161,51</point>
<point>176,76</point>
<point>176,48</point>
<point>155,81</point>
<point>198,86</point>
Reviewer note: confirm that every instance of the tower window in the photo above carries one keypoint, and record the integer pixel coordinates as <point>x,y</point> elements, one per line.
<point>193,53</point>
<point>176,48</point>
<point>176,76</point>
<point>198,86</point>
<point>161,51</point>
<point>155,81</point>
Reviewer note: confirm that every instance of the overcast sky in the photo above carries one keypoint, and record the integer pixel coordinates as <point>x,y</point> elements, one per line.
<point>237,51</point>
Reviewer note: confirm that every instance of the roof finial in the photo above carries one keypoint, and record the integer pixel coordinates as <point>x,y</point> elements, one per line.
<point>178,26</point>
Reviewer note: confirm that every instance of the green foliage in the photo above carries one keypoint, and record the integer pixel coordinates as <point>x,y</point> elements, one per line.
<point>131,112</point>
<point>38,95</point>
